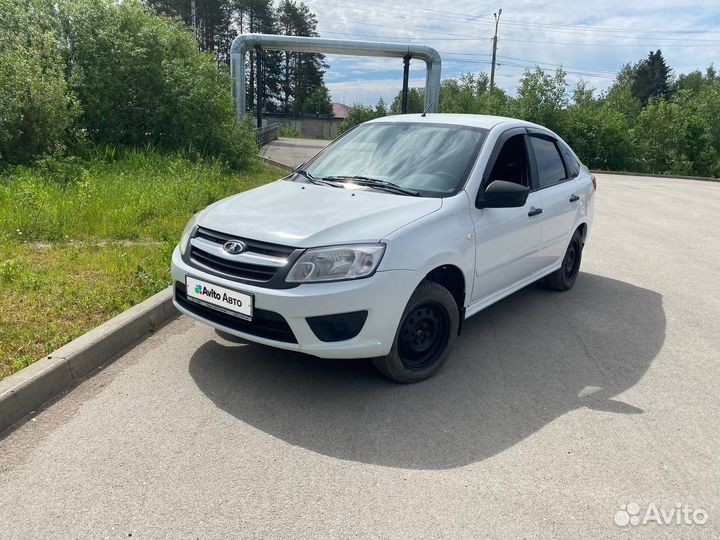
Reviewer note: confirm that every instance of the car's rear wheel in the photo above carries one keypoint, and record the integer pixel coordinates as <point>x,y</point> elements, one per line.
<point>425,336</point>
<point>564,277</point>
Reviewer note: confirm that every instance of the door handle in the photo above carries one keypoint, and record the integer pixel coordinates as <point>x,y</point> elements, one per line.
<point>574,198</point>
<point>534,211</point>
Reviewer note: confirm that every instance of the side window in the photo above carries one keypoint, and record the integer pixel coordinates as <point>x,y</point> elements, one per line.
<point>511,163</point>
<point>551,169</point>
<point>571,162</point>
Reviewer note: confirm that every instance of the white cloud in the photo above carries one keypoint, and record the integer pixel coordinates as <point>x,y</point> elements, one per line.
<point>368,91</point>
<point>551,33</point>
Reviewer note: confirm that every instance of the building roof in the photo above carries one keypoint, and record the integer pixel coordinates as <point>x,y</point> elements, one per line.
<point>340,110</point>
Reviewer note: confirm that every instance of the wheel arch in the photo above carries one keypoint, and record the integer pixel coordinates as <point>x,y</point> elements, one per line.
<point>583,228</point>
<point>452,278</point>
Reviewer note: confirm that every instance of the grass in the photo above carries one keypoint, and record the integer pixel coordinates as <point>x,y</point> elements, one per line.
<point>131,195</point>
<point>290,131</point>
<point>83,240</point>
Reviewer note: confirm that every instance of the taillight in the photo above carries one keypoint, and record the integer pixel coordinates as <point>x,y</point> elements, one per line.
<point>594,181</point>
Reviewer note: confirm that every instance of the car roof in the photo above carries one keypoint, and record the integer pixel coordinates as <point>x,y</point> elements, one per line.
<point>485,121</point>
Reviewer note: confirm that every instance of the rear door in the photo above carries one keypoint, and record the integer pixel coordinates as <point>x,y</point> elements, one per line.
<point>557,183</point>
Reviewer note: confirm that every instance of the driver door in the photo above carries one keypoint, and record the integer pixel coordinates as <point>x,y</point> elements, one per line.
<point>507,239</point>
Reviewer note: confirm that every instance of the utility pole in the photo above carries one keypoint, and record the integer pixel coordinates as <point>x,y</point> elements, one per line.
<point>492,69</point>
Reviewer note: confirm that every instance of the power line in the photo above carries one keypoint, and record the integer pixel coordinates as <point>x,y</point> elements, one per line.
<point>458,36</point>
<point>609,29</point>
<point>510,61</point>
<point>570,29</point>
<point>583,73</point>
<point>647,44</point>
<point>464,37</point>
<point>463,17</point>
<point>401,38</point>
<point>538,62</point>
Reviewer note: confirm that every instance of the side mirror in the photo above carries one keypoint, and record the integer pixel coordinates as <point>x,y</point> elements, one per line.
<point>502,194</point>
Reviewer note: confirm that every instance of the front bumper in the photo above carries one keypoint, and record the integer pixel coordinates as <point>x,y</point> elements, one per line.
<point>383,295</point>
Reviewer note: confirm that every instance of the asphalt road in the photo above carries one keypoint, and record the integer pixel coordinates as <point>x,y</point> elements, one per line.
<point>554,410</point>
<point>291,151</point>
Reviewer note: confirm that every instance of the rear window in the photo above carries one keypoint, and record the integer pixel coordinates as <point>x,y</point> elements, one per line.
<point>551,169</point>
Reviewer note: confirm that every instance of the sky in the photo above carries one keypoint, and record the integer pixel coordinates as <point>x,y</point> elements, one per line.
<point>591,40</point>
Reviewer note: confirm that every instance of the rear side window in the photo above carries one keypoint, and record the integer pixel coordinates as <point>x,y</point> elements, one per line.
<point>571,162</point>
<point>551,169</point>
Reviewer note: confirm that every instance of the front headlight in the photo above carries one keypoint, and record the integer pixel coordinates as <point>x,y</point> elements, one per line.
<point>336,263</point>
<point>187,231</point>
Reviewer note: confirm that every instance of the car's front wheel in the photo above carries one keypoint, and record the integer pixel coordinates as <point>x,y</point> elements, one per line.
<point>425,336</point>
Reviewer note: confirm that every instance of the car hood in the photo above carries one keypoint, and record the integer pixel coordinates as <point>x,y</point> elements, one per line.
<point>306,215</point>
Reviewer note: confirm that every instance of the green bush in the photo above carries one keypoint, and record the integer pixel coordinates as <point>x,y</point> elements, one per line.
<point>597,132</point>
<point>360,113</point>
<point>37,113</point>
<point>142,80</point>
<point>541,98</point>
<point>115,73</point>
<point>289,131</point>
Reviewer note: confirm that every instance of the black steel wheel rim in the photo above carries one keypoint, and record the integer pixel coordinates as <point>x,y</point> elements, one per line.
<point>423,335</point>
<point>571,263</point>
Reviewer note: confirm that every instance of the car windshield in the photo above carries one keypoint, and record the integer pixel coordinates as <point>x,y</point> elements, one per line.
<point>432,160</point>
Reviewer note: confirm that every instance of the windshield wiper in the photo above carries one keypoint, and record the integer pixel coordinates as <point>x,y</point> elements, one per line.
<point>317,181</point>
<point>373,182</point>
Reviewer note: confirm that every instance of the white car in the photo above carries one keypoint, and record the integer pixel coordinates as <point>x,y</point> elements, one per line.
<point>384,242</point>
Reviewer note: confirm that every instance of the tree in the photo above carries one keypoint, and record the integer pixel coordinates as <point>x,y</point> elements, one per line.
<point>541,98</point>
<point>141,80</point>
<point>318,102</point>
<point>38,113</point>
<point>620,96</point>
<point>302,73</point>
<point>212,21</point>
<point>259,16</point>
<point>358,114</point>
<point>289,78</point>
<point>596,132</point>
<point>471,94</point>
<point>380,108</point>
<point>659,136</point>
<point>461,95</point>
<point>416,101</point>
<point>651,78</point>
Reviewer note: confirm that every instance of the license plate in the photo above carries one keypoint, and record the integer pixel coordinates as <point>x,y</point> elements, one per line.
<point>220,298</point>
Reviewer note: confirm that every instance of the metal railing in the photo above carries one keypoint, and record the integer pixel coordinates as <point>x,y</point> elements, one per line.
<point>266,134</point>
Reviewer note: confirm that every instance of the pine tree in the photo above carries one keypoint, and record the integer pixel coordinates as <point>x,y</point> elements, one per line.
<point>651,78</point>
<point>318,102</point>
<point>303,73</point>
<point>260,16</point>
<point>290,79</point>
<point>212,22</point>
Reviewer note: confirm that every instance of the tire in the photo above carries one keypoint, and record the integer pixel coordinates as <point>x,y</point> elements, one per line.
<point>564,277</point>
<point>425,336</point>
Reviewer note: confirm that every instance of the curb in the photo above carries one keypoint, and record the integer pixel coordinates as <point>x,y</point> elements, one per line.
<point>277,164</point>
<point>654,175</point>
<point>30,388</point>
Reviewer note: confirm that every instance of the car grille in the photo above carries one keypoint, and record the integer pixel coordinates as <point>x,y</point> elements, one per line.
<point>202,256</point>
<point>265,324</point>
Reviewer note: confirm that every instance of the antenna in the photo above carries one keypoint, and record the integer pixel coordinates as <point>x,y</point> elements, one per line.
<point>427,108</point>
